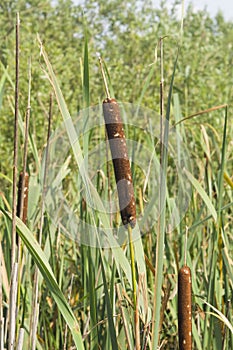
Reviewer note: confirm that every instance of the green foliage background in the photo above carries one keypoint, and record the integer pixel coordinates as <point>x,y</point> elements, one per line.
<point>126,35</point>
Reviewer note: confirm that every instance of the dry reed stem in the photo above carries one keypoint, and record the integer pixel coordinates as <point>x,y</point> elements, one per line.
<point>165,299</point>
<point>21,339</point>
<point>13,287</point>
<point>13,299</point>
<point>24,177</point>
<point>125,324</point>
<point>212,109</point>
<point>15,161</point>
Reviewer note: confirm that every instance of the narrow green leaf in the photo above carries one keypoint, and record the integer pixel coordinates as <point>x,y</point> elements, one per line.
<point>219,315</point>
<point>202,193</point>
<point>86,94</point>
<point>109,309</point>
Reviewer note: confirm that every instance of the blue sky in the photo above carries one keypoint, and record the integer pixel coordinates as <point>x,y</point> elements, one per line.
<point>226,6</point>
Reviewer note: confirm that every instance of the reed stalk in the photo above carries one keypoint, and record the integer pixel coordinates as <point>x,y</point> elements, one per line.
<point>14,265</point>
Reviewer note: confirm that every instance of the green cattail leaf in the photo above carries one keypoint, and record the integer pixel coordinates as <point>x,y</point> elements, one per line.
<point>219,315</point>
<point>202,193</point>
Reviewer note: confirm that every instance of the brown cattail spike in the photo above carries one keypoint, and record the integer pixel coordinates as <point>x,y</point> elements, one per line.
<point>122,170</point>
<point>185,308</point>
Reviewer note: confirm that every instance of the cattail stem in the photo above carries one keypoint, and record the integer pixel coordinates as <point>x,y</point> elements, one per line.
<point>134,284</point>
<point>104,79</point>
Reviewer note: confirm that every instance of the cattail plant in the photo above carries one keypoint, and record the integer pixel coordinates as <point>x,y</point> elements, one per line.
<point>120,158</point>
<point>123,177</point>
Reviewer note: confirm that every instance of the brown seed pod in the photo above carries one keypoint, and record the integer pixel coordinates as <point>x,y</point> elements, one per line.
<point>122,170</point>
<point>185,308</point>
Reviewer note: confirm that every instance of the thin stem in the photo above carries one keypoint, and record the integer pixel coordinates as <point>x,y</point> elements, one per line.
<point>46,167</point>
<point>66,327</point>
<point>27,119</point>
<point>161,79</point>
<point>104,78</point>
<point>185,245</point>
<point>25,152</point>
<point>15,161</point>
<point>13,288</point>
<point>13,303</point>
<point>134,284</point>
<point>161,188</point>
<point>161,94</point>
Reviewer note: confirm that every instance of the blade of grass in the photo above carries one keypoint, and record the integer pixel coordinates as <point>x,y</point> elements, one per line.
<point>219,315</point>
<point>202,193</point>
<point>2,84</point>
<point>93,302</point>
<point>109,308</point>
<point>212,109</point>
<point>86,93</point>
